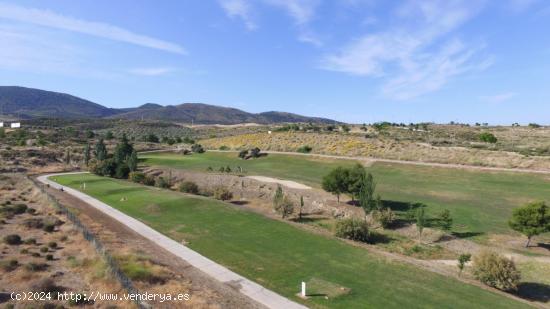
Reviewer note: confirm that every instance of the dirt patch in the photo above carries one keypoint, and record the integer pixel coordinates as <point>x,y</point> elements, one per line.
<point>287,183</point>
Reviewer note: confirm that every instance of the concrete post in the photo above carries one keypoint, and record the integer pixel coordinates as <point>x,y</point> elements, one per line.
<point>303,289</point>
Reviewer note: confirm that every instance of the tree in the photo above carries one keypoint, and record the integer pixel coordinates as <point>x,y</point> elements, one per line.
<point>496,271</point>
<point>353,229</point>
<point>366,194</point>
<point>87,154</point>
<point>68,156</point>
<point>420,220</point>
<point>255,152</point>
<point>531,220</point>
<point>151,138</point>
<point>301,207</point>
<point>355,177</point>
<point>197,148</point>
<point>278,197</point>
<point>243,154</point>
<point>133,161</point>
<point>462,260</point>
<point>109,135</point>
<point>123,150</point>
<point>286,207</point>
<point>90,134</point>
<point>445,220</point>
<point>336,182</point>
<point>100,151</point>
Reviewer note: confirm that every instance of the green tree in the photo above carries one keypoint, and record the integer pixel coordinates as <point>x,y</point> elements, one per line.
<point>243,154</point>
<point>531,220</point>
<point>462,260</point>
<point>90,134</point>
<point>123,150</point>
<point>336,182</point>
<point>366,194</point>
<point>286,207</point>
<point>445,220</point>
<point>133,161</point>
<point>68,156</point>
<point>2,133</point>
<point>100,151</point>
<point>87,154</point>
<point>278,197</point>
<point>420,220</point>
<point>301,207</point>
<point>355,177</point>
<point>109,135</point>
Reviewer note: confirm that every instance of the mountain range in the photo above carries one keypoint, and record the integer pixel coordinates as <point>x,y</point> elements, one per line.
<point>28,103</point>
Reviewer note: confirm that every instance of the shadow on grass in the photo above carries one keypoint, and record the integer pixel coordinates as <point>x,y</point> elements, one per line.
<point>240,203</point>
<point>544,245</point>
<point>466,234</point>
<point>124,190</point>
<point>306,219</point>
<point>534,291</point>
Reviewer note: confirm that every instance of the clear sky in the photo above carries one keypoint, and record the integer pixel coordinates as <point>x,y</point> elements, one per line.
<point>350,60</point>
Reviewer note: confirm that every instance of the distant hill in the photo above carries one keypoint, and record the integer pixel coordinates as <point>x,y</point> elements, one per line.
<point>24,102</point>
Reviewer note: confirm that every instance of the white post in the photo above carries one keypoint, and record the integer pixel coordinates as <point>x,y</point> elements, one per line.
<point>303,289</point>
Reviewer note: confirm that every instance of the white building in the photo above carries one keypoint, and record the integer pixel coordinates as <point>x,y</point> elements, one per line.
<point>1,124</point>
<point>15,125</point>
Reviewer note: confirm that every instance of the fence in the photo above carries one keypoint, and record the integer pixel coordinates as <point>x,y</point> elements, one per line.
<point>112,265</point>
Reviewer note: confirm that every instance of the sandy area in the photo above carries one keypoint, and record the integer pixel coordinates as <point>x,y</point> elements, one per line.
<point>286,183</point>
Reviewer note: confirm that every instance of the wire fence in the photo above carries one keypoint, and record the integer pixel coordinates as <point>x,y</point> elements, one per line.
<point>112,265</point>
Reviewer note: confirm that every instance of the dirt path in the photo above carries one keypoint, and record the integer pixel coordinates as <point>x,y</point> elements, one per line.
<point>246,287</point>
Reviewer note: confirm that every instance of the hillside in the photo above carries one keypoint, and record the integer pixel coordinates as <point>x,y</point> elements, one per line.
<point>211,114</point>
<point>33,103</point>
<point>21,102</point>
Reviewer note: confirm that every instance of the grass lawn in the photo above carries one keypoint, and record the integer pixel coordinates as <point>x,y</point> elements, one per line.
<point>280,256</point>
<point>479,201</point>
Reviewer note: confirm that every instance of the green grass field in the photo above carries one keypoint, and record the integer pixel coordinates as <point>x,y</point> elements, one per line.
<point>479,201</point>
<point>279,256</point>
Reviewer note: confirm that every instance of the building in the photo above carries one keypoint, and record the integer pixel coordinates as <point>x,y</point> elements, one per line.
<point>15,125</point>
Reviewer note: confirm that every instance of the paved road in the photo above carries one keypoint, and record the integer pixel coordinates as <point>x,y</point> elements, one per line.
<point>372,160</point>
<point>251,289</point>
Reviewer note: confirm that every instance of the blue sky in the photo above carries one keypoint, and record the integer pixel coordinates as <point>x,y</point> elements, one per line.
<point>350,60</point>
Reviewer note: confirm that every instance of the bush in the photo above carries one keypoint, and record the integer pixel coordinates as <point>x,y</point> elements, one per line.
<point>496,271</point>
<point>243,154</point>
<point>304,149</point>
<point>149,180</point>
<point>12,239</point>
<point>49,227</point>
<point>33,267</point>
<point>162,183</point>
<point>385,217</point>
<point>137,177</point>
<point>223,194</point>
<point>189,187</point>
<point>49,257</point>
<point>19,209</point>
<point>122,170</point>
<point>223,147</point>
<point>197,148</point>
<point>487,137</point>
<point>31,211</point>
<point>9,265</point>
<point>30,241</point>
<point>353,229</point>
<point>52,244</point>
<point>44,249</point>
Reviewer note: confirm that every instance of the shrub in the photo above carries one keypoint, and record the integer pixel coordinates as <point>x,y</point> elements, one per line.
<point>255,152</point>
<point>197,148</point>
<point>31,211</point>
<point>30,241</point>
<point>222,193</point>
<point>209,169</point>
<point>49,227</point>
<point>162,183</point>
<point>243,154</point>
<point>149,180</point>
<point>137,177</point>
<point>385,217</point>
<point>12,239</point>
<point>189,187</point>
<point>496,271</point>
<point>122,170</point>
<point>33,267</point>
<point>35,223</point>
<point>44,249</point>
<point>9,265</point>
<point>52,244</point>
<point>24,251</point>
<point>353,229</point>
<point>19,209</point>
<point>304,149</point>
<point>487,137</point>
<point>49,257</point>
<point>223,147</point>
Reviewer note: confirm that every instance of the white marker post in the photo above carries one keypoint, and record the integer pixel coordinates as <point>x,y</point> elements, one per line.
<point>303,289</point>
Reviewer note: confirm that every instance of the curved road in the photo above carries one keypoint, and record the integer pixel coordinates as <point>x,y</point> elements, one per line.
<point>249,288</point>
